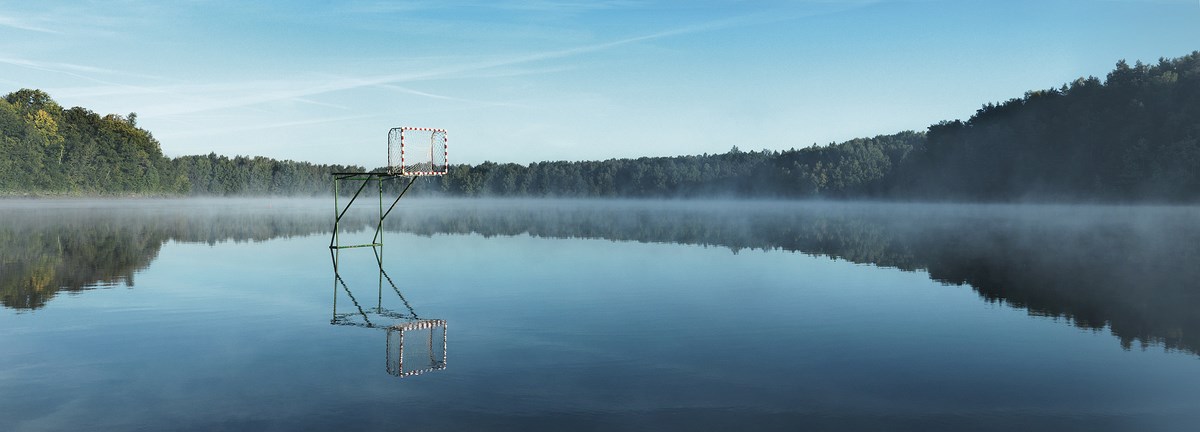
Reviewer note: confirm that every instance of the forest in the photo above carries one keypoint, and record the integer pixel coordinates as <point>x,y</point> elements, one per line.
<point>48,150</point>
<point>1130,137</point>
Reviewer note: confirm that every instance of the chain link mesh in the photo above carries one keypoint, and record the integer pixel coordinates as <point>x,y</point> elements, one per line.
<point>417,151</point>
<point>416,347</point>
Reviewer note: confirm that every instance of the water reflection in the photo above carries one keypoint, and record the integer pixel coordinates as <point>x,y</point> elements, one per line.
<point>415,345</point>
<point>48,247</point>
<point>38,261</point>
<point>1128,270</point>
<point>1134,271</point>
<point>425,352</point>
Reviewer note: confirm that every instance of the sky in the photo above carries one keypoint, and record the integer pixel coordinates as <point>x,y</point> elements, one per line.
<point>527,81</point>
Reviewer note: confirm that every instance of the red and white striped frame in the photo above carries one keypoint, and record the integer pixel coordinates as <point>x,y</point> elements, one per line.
<point>445,151</point>
<point>398,330</point>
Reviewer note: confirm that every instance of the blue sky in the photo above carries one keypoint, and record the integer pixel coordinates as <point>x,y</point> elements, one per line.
<point>524,81</point>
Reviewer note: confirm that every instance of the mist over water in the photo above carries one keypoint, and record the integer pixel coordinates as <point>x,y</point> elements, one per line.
<point>1094,266</point>
<point>1126,274</point>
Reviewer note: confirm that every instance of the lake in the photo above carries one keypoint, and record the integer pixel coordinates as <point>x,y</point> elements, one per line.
<point>565,315</point>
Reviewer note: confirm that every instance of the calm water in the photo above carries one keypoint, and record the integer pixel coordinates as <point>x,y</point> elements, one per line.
<point>592,315</point>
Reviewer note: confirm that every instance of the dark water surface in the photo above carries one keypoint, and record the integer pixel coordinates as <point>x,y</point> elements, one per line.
<point>598,315</point>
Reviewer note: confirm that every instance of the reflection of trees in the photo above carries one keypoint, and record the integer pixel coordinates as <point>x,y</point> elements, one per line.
<point>40,261</point>
<point>47,251</point>
<point>1130,270</point>
<point>1138,280</point>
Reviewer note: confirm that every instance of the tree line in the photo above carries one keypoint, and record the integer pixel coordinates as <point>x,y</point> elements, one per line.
<point>856,168</point>
<point>1135,136</point>
<point>49,150</point>
<point>1132,136</point>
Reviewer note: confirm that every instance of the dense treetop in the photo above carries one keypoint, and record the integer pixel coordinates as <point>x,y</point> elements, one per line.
<point>49,150</point>
<point>1131,137</point>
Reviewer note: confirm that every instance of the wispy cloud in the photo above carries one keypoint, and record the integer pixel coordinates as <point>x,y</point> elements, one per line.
<point>108,86</point>
<point>75,70</point>
<point>263,126</point>
<point>76,20</point>
<point>561,6</point>
<point>447,98</point>
<point>319,103</point>
<point>20,23</point>
<point>554,6</point>
<point>242,94</point>
<point>188,99</point>
<point>71,70</point>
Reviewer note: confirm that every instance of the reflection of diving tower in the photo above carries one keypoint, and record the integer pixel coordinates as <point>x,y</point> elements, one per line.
<point>415,345</point>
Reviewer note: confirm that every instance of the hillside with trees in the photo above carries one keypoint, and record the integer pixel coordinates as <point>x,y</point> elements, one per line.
<point>1131,137</point>
<point>48,150</point>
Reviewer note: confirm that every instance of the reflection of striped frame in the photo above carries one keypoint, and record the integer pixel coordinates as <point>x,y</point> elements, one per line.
<point>396,152</point>
<point>420,325</point>
<point>398,331</point>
